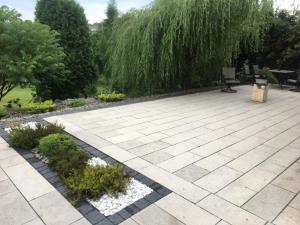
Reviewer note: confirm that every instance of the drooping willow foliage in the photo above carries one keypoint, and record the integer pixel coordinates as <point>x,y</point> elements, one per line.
<point>174,43</point>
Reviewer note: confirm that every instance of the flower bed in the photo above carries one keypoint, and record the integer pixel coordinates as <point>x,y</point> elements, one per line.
<point>114,208</point>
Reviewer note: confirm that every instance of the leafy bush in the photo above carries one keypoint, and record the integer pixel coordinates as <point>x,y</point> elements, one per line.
<point>28,138</point>
<point>22,137</point>
<point>66,161</point>
<point>42,107</point>
<point>265,73</point>
<point>112,97</point>
<point>14,103</point>
<point>56,142</point>
<point>3,112</point>
<point>63,155</point>
<point>94,181</point>
<point>77,103</point>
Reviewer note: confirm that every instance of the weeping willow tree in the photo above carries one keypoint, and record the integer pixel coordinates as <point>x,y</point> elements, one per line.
<point>174,43</point>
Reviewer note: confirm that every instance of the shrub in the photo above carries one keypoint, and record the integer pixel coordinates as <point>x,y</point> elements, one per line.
<point>3,112</point>
<point>63,155</point>
<point>77,103</point>
<point>22,137</point>
<point>95,181</point>
<point>66,161</point>
<point>28,138</point>
<point>56,142</point>
<point>112,97</point>
<point>41,107</point>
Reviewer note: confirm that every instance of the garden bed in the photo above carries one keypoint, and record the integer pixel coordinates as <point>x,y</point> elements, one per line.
<point>109,209</point>
<point>63,107</point>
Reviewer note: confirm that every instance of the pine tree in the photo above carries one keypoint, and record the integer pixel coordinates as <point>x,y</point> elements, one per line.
<point>68,18</point>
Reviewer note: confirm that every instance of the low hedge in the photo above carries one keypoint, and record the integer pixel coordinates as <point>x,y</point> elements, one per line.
<point>77,103</point>
<point>112,97</point>
<point>28,138</point>
<point>41,107</point>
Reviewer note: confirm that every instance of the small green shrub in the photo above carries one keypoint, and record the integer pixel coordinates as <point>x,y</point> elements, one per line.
<point>63,155</point>
<point>56,142</point>
<point>41,107</point>
<point>77,103</point>
<point>22,137</point>
<point>95,181</point>
<point>27,138</point>
<point>66,162</point>
<point>3,112</point>
<point>112,97</point>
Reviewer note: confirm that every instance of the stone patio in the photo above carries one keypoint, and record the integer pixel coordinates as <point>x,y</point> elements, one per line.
<point>227,160</point>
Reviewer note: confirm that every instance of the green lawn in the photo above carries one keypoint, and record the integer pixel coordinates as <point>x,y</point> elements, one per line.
<point>24,94</point>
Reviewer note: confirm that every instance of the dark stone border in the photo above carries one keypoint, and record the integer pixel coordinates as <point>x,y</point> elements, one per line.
<point>92,214</point>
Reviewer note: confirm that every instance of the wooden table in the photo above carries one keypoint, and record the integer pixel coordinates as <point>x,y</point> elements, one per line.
<point>282,75</point>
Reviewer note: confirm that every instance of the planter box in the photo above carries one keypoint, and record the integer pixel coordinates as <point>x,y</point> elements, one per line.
<point>260,93</point>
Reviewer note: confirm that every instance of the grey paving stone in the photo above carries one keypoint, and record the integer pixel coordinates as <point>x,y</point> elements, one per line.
<point>6,186</point>
<point>2,175</point>
<point>296,202</point>
<point>82,221</point>
<point>54,209</point>
<point>191,173</point>
<point>157,157</point>
<point>28,181</point>
<point>154,215</point>
<point>289,216</point>
<point>236,193</point>
<point>269,202</point>
<point>14,209</point>
<point>218,179</point>
<point>129,222</point>
<point>186,211</point>
<point>149,148</point>
<point>36,221</point>
<point>229,212</point>
<point>290,179</point>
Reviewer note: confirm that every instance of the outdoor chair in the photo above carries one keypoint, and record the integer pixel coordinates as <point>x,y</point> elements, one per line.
<point>295,82</point>
<point>229,78</point>
<point>248,75</point>
<point>256,71</point>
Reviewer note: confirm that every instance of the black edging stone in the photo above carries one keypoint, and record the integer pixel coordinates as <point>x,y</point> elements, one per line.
<point>88,211</point>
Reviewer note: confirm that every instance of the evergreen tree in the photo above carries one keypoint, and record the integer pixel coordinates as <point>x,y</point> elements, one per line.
<point>68,18</point>
<point>111,14</point>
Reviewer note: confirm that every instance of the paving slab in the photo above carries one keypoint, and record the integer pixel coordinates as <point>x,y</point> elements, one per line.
<point>15,210</point>
<point>289,216</point>
<point>229,212</point>
<point>296,202</point>
<point>55,209</point>
<point>191,173</point>
<point>185,211</point>
<point>269,202</point>
<point>218,179</point>
<point>290,179</point>
<point>154,215</point>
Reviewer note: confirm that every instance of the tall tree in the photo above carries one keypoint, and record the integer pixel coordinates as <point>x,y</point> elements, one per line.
<point>68,18</point>
<point>100,38</point>
<point>30,54</point>
<point>176,43</point>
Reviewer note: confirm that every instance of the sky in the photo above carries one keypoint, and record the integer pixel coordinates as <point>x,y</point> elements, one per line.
<point>95,9</point>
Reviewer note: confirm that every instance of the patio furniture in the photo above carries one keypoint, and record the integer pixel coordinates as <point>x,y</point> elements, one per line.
<point>256,71</point>
<point>282,75</point>
<point>229,78</point>
<point>295,82</point>
<point>260,92</point>
<point>249,76</point>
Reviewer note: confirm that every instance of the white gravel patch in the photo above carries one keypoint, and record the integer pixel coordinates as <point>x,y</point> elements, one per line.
<point>109,205</point>
<point>30,124</point>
